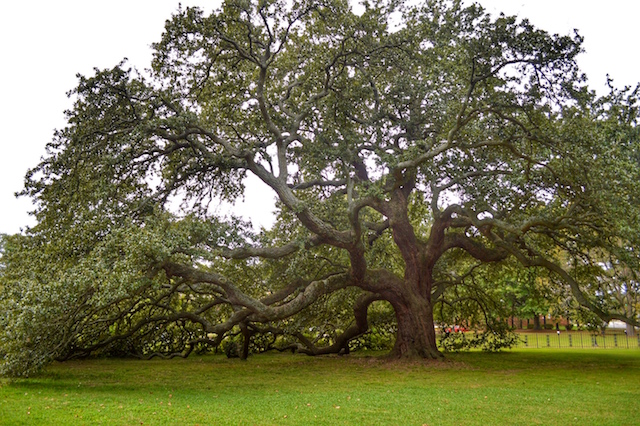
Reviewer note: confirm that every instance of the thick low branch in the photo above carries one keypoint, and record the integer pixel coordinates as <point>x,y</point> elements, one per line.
<point>260,311</point>
<point>341,343</point>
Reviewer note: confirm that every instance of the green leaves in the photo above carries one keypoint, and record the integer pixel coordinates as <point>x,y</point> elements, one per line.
<point>416,153</point>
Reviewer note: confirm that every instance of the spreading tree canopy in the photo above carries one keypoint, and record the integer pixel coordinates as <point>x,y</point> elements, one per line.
<point>418,156</point>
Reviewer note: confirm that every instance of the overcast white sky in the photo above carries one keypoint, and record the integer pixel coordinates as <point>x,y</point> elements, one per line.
<point>45,43</point>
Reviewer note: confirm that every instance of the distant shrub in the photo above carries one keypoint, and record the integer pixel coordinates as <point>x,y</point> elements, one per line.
<point>492,340</point>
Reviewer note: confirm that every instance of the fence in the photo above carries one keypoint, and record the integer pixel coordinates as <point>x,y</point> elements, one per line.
<point>583,340</point>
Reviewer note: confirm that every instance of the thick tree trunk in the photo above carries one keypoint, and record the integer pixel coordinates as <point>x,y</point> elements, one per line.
<point>631,331</point>
<point>416,336</point>
<point>411,295</point>
<point>536,322</point>
<point>246,341</point>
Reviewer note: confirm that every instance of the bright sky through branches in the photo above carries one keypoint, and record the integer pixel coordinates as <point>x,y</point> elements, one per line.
<point>45,44</point>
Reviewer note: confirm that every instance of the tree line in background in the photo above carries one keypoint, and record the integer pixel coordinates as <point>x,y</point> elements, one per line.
<point>431,164</point>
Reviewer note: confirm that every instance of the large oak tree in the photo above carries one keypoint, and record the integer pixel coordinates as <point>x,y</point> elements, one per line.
<point>406,147</point>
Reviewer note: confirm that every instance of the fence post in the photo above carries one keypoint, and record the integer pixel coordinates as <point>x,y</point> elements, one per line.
<point>593,341</point>
<point>526,341</point>
<point>570,341</point>
<point>626,337</point>
<point>548,343</point>
<point>615,340</point>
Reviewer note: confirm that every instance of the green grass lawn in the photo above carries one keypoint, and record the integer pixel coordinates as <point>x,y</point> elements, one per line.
<point>526,387</point>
